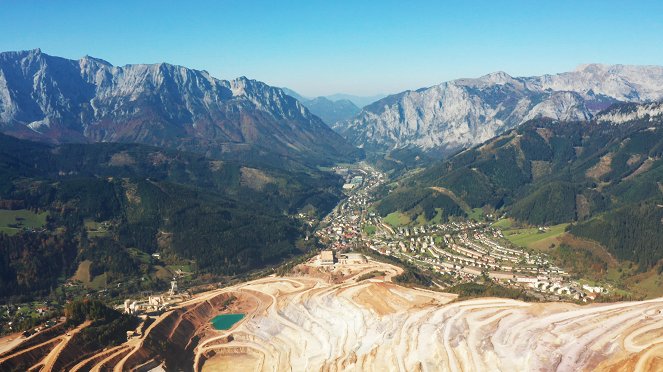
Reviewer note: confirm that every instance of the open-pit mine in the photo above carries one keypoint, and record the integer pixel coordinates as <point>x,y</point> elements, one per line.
<point>352,317</point>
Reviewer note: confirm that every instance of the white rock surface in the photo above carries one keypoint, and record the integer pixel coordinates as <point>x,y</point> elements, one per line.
<point>465,112</point>
<point>54,99</point>
<point>627,114</point>
<point>374,326</point>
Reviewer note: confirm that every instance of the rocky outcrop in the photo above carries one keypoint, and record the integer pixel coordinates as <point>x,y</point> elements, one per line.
<point>464,112</point>
<point>53,99</point>
<point>630,112</point>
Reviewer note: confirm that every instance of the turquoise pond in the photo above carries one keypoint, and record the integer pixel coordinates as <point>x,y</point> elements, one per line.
<point>226,321</point>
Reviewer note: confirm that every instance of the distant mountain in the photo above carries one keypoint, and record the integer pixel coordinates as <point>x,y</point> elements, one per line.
<point>330,111</point>
<point>460,113</point>
<point>295,95</point>
<point>57,100</point>
<point>360,101</point>
<point>604,175</point>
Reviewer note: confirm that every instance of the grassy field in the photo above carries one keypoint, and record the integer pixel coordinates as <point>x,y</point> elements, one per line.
<point>84,276</point>
<point>83,273</point>
<point>476,214</point>
<point>588,260</point>
<point>95,229</point>
<point>184,267</point>
<point>140,255</point>
<point>98,282</point>
<point>163,273</point>
<point>648,284</point>
<point>504,223</point>
<point>396,219</point>
<point>529,236</point>
<point>369,229</point>
<point>438,219</point>
<point>19,219</point>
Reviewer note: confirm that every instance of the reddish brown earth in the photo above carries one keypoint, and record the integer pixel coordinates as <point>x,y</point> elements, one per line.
<point>312,323</point>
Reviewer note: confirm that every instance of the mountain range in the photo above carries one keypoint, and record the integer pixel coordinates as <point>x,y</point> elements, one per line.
<point>57,100</point>
<point>460,113</point>
<point>359,101</point>
<point>173,161</point>
<point>167,159</point>
<point>329,110</point>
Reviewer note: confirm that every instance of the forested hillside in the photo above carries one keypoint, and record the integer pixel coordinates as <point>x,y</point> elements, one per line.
<point>111,203</point>
<point>604,175</point>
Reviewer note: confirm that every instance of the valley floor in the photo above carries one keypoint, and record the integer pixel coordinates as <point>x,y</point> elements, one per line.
<point>350,316</point>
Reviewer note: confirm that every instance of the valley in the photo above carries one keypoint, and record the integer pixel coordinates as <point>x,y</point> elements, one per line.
<point>453,253</point>
<point>389,311</point>
<point>153,217</point>
<point>331,186</point>
<point>480,284</point>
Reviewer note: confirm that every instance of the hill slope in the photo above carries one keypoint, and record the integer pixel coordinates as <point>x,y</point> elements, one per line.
<point>225,217</point>
<point>605,174</point>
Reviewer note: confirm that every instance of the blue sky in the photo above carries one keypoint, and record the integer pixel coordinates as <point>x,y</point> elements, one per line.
<point>359,47</point>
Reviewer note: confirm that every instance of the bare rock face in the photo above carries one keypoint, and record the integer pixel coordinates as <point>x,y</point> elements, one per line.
<point>465,112</point>
<point>630,112</point>
<point>58,100</point>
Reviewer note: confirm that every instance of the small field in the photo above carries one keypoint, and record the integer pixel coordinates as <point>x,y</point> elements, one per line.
<point>99,282</point>
<point>437,219</point>
<point>83,273</point>
<point>397,219</point>
<point>476,214</point>
<point>12,221</point>
<point>504,223</point>
<point>648,284</point>
<point>529,236</point>
<point>370,229</point>
<point>96,229</point>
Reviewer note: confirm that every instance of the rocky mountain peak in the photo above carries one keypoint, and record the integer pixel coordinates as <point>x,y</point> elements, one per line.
<point>464,112</point>
<point>499,77</point>
<point>57,100</point>
<point>592,68</point>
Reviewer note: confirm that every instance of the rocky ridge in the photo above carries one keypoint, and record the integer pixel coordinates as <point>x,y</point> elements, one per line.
<point>464,112</point>
<point>58,100</point>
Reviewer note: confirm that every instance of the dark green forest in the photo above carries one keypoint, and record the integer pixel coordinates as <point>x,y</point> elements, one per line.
<point>420,201</point>
<point>226,217</point>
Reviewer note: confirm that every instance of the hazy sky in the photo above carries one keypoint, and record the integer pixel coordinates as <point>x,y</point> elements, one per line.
<point>359,47</point>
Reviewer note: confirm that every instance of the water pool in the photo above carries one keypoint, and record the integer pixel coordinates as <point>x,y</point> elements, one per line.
<point>226,321</point>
